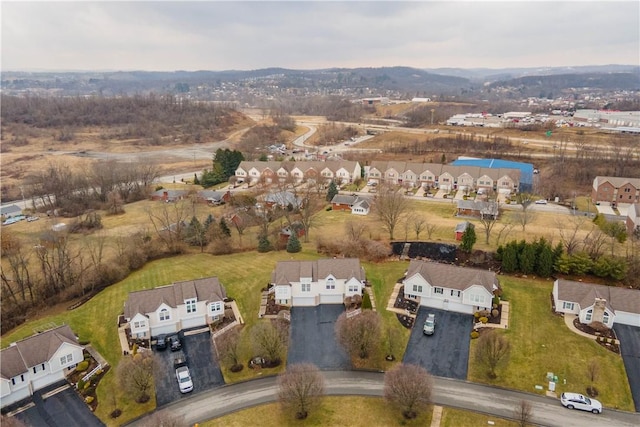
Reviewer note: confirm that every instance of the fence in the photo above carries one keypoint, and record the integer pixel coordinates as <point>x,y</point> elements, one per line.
<point>352,313</point>
<point>93,371</point>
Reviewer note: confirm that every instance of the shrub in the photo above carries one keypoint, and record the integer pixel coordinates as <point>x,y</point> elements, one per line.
<point>80,384</point>
<point>476,314</point>
<point>329,208</point>
<point>86,385</point>
<point>474,335</point>
<point>495,312</point>
<point>82,366</point>
<point>88,399</point>
<point>484,319</point>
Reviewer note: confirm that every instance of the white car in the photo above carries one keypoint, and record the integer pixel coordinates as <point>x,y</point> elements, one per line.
<point>541,202</point>
<point>184,379</point>
<point>429,325</point>
<point>578,401</point>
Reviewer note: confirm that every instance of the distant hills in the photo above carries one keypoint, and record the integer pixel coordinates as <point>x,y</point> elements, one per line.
<point>384,81</point>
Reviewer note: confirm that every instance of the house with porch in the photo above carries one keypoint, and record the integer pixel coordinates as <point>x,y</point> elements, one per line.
<point>449,287</point>
<point>36,362</point>
<point>172,308</point>
<point>324,281</point>
<point>597,303</point>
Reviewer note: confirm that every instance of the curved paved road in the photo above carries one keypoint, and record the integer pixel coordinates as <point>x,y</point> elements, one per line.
<point>446,392</point>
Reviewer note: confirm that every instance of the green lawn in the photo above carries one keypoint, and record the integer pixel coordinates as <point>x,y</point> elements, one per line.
<point>542,343</point>
<point>347,411</point>
<point>457,417</point>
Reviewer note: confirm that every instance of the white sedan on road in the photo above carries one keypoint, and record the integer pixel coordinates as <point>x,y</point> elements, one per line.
<point>578,401</point>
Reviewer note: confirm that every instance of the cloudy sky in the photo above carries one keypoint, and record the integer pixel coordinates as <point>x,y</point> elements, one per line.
<point>216,35</point>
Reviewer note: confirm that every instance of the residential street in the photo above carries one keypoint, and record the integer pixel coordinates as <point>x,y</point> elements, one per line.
<point>447,392</point>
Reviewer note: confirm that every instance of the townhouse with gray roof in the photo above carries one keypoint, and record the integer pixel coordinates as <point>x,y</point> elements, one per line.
<point>172,308</point>
<point>597,303</point>
<point>324,281</point>
<point>36,362</point>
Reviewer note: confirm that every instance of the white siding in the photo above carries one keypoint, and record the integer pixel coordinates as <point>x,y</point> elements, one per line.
<point>48,379</point>
<point>626,318</point>
<point>304,301</point>
<point>331,299</point>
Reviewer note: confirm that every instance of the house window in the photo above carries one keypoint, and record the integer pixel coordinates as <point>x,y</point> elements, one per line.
<point>191,305</point>
<point>331,283</point>
<point>64,360</point>
<point>216,306</point>
<point>13,381</point>
<point>417,288</point>
<point>605,318</point>
<point>567,305</point>
<point>479,299</point>
<point>353,288</point>
<point>164,314</point>
<point>306,287</point>
<point>588,316</point>
<point>138,325</point>
<point>438,291</point>
<point>455,293</point>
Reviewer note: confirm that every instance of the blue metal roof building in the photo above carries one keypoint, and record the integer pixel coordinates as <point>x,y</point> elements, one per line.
<point>526,169</point>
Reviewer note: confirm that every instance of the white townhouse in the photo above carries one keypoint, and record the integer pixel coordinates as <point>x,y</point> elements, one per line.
<point>37,362</point>
<point>448,287</point>
<point>268,172</point>
<point>324,281</point>
<point>172,308</point>
<point>597,303</point>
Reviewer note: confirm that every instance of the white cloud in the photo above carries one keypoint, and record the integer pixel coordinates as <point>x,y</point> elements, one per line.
<point>316,34</point>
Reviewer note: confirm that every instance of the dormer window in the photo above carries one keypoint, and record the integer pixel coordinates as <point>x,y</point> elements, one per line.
<point>191,305</point>
<point>164,315</point>
<point>331,283</point>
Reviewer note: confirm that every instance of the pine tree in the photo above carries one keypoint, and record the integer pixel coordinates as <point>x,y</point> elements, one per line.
<point>332,191</point>
<point>264,245</point>
<point>224,228</point>
<point>293,244</point>
<point>527,259</point>
<point>195,179</point>
<point>510,258</point>
<point>468,239</point>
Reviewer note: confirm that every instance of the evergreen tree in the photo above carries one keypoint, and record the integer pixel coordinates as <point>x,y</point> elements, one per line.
<point>293,244</point>
<point>196,181</point>
<point>544,264</point>
<point>510,258</point>
<point>332,191</point>
<point>527,259</point>
<point>264,245</point>
<point>468,239</point>
<point>224,228</point>
<point>210,220</point>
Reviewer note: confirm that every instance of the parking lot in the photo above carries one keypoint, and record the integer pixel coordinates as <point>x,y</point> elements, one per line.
<point>446,352</point>
<point>629,337</point>
<point>64,408</point>
<point>203,366</point>
<point>313,338</point>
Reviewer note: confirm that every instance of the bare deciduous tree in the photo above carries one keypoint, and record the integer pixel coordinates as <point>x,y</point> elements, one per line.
<point>312,203</point>
<point>169,222</point>
<point>503,232</point>
<point>390,207</point>
<point>300,388</point>
<point>525,216</point>
<point>430,229</point>
<point>523,413</point>
<point>135,375</point>
<point>360,334</point>
<point>228,345</point>
<point>488,222</point>
<point>492,350</point>
<point>355,230</point>
<point>270,338</point>
<point>409,388</point>
<point>569,233</point>
<point>419,224</point>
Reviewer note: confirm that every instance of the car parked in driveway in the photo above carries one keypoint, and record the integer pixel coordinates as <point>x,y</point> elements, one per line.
<point>174,343</point>
<point>429,325</point>
<point>161,342</point>
<point>578,401</point>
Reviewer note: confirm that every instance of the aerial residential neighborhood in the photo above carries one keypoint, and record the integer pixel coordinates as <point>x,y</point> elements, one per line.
<point>320,213</point>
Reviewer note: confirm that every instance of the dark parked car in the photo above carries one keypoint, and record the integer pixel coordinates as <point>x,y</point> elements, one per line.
<point>161,342</point>
<point>174,342</point>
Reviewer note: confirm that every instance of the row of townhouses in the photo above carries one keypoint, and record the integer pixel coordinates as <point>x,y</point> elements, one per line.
<point>435,175</point>
<point>615,190</point>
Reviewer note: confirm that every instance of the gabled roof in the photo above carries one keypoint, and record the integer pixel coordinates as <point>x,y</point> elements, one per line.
<point>616,181</point>
<point>622,299</point>
<point>287,272</point>
<point>147,301</point>
<point>10,210</point>
<point>343,199</point>
<point>462,226</point>
<point>34,350</point>
<point>453,277</point>
<point>361,202</point>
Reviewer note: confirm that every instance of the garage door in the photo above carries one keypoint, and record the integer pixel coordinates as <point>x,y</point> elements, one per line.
<point>304,301</point>
<point>15,396</point>
<point>193,322</point>
<point>432,302</point>
<point>331,299</point>
<point>166,329</point>
<point>47,380</point>
<point>625,318</point>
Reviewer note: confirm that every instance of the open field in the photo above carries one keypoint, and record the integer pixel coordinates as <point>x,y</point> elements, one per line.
<point>541,343</point>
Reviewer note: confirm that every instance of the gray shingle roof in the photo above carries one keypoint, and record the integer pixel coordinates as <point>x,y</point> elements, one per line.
<point>622,299</point>
<point>341,268</point>
<point>453,277</point>
<point>34,350</point>
<point>148,301</point>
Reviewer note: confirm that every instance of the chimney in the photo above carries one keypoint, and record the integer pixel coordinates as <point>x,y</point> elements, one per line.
<point>598,310</point>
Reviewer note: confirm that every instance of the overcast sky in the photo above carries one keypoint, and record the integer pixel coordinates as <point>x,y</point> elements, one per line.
<point>214,35</point>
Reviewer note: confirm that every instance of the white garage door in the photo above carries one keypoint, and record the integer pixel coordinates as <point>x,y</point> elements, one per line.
<point>432,302</point>
<point>331,299</point>
<point>304,301</point>
<point>15,396</point>
<point>625,318</point>
<point>48,379</point>
<point>194,322</point>
<point>166,329</point>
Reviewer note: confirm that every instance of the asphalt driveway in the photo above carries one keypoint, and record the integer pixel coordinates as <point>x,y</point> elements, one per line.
<point>204,368</point>
<point>446,352</point>
<point>63,409</point>
<point>313,339</point>
<point>629,337</point>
